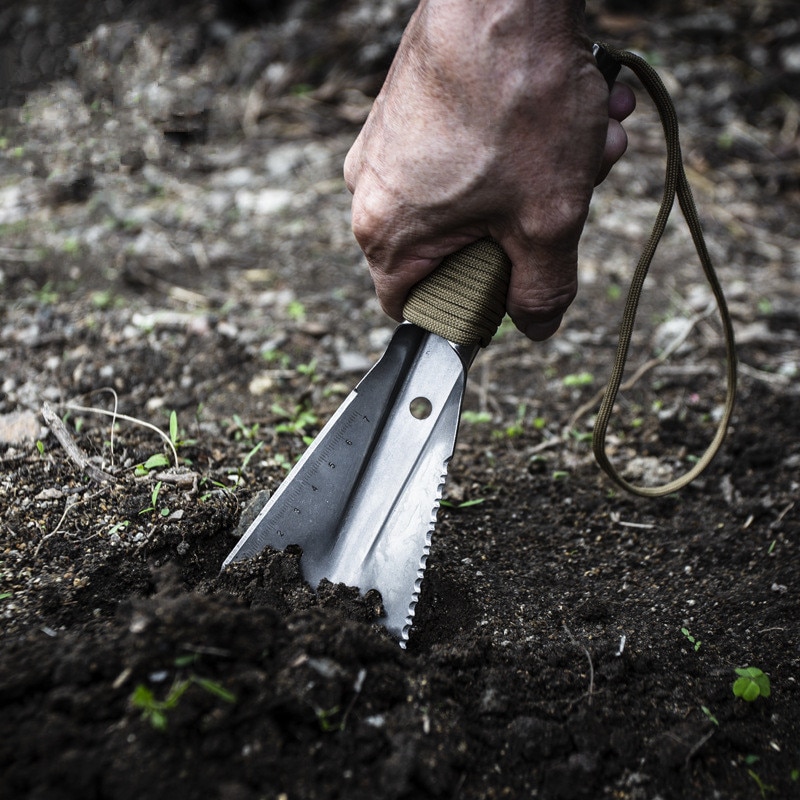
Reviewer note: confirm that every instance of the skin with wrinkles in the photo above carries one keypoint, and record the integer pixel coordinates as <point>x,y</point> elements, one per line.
<point>493,120</point>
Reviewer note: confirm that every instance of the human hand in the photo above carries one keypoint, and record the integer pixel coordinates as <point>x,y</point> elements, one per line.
<point>494,120</point>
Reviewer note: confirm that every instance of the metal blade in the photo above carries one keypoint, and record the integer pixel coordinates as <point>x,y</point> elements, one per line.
<point>362,500</point>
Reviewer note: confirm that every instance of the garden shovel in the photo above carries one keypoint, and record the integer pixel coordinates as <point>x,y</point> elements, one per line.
<point>362,500</point>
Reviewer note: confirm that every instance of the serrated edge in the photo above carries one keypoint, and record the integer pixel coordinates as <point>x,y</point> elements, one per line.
<point>423,560</point>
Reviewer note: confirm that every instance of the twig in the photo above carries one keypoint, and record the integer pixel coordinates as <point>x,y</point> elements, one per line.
<point>772,378</point>
<point>115,415</point>
<point>64,437</point>
<point>588,658</point>
<point>72,502</point>
<point>693,750</point>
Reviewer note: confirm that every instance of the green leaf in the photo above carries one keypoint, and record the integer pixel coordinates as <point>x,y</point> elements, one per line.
<point>173,427</point>
<point>156,461</point>
<point>751,684</point>
<point>214,688</point>
<point>578,379</point>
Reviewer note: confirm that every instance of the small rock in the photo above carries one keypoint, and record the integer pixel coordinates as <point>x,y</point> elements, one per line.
<point>18,427</point>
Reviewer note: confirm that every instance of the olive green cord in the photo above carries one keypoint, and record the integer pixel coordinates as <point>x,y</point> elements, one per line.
<point>675,182</point>
<point>463,300</point>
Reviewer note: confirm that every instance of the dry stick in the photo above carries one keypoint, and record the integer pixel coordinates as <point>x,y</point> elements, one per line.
<point>693,751</point>
<point>588,658</point>
<point>115,415</point>
<point>72,502</point>
<point>64,437</point>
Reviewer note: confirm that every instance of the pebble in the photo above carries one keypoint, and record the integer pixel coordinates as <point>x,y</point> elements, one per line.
<point>18,427</point>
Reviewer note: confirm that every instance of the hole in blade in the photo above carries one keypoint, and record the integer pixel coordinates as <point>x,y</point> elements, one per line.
<point>420,408</point>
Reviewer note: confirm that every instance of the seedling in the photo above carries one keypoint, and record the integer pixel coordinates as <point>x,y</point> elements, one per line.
<point>751,684</point>
<point>578,379</point>
<point>695,642</point>
<point>154,502</point>
<point>119,526</point>
<point>711,718</point>
<point>174,432</point>
<point>239,472</point>
<point>296,420</point>
<point>516,428</point>
<point>242,431</point>
<point>6,595</point>
<point>325,717</point>
<point>157,461</point>
<point>309,370</point>
<point>296,311</point>
<point>155,711</point>
<point>476,417</point>
<point>762,787</point>
<point>465,504</point>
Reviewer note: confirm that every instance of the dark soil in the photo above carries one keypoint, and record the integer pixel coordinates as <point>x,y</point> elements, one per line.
<point>570,641</point>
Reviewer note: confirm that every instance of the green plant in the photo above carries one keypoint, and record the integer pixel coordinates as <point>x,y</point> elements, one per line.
<point>516,428</point>
<point>40,446</point>
<point>296,311</point>
<point>751,684</point>
<point>157,461</point>
<point>119,526</point>
<point>242,431</point>
<point>707,711</point>
<point>277,357</point>
<point>71,245</point>
<point>175,436</point>
<point>155,711</point>
<point>691,639</point>
<point>6,595</point>
<point>578,379</point>
<point>297,420</point>
<point>309,370</point>
<point>463,504</point>
<point>239,471</point>
<point>476,417</point>
<point>47,295</point>
<point>327,723</point>
<point>164,512</point>
<point>282,461</point>
<point>762,787</point>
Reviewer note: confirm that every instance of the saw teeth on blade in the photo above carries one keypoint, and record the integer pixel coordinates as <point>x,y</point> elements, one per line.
<point>423,561</point>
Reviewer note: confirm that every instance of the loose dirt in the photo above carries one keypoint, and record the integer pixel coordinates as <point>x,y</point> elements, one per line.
<point>174,237</point>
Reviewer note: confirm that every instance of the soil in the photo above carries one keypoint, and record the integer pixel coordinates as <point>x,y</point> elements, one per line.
<point>174,237</point>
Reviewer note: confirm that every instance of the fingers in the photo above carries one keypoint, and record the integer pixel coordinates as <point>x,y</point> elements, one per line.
<point>621,103</point>
<point>543,284</point>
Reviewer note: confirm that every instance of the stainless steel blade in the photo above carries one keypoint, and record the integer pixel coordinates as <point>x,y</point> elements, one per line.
<point>362,500</point>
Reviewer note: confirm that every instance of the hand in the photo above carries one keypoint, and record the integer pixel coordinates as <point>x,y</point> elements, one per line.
<point>493,120</point>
